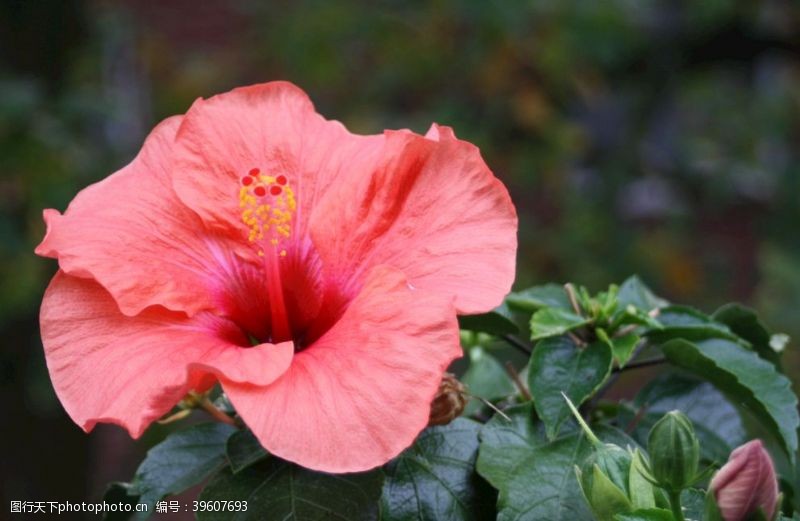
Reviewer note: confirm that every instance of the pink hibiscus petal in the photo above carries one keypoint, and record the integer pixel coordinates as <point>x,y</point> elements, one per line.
<point>271,127</point>
<point>108,367</point>
<point>431,208</point>
<point>361,393</point>
<point>131,234</point>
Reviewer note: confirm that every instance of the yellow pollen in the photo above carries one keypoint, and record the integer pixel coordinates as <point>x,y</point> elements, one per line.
<point>267,215</point>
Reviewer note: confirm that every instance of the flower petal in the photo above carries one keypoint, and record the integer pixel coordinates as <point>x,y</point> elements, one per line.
<point>746,482</point>
<point>431,208</point>
<point>131,234</point>
<point>272,127</point>
<point>108,367</point>
<point>360,394</point>
<point>736,462</point>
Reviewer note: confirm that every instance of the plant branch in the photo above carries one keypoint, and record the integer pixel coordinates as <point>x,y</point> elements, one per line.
<point>570,289</point>
<point>615,372</point>
<point>519,344</point>
<point>625,330</point>
<point>642,363</point>
<point>521,387</point>
<point>578,341</point>
<point>636,419</point>
<point>211,409</point>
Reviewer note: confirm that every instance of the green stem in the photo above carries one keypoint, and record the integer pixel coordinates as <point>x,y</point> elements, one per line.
<point>675,503</point>
<point>586,429</point>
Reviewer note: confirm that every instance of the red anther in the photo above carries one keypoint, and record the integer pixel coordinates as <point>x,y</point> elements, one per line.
<point>260,191</point>
<point>281,180</point>
<point>254,172</point>
<point>275,190</point>
<point>247,181</point>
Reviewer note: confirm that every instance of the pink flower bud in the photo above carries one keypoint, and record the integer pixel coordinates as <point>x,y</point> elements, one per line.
<point>745,483</point>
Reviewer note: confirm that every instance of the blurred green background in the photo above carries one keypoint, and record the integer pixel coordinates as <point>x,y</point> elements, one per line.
<point>635,136</point>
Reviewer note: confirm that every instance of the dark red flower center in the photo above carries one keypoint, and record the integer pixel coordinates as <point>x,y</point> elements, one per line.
<point>288,296</point>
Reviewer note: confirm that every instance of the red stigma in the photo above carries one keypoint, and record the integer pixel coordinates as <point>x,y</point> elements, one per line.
<point>281,180</point>
<point>254,172</point>
<point>260,191</point>
<point>247,181</point>
<point>275,190</point>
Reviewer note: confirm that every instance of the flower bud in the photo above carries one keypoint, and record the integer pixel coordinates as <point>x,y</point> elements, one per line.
<point>449,402</point>
<point>605,498</point>
<point>674,452</point>
<point>608,481</point>
<point>610,478</point>
<point>612,461</point>
<point>746,483</point>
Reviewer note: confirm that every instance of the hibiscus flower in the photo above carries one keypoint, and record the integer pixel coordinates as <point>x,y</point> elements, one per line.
<point>315,274</point>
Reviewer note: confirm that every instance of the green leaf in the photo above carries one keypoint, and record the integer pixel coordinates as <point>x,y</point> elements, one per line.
<point>744,322</point>
<point>630,315</point>
<point>549,322</point>
<point>120,493</point>
<point>543,485</point>
<point>641,490</point>
<point>537,297</point>
<point>485,378</point>
<point>746,379</point>
<point>690,324</point>
<point>499,321</point>
<point>277,489</point>
<point>436,479</point>
<point>608,301</point>
<point>649,514</point>
<point>179,462</point>
<point>505,443</point>
<point>716,421</point>
<point>693,502</point>
<point>243,449</point>
<point>634,292</point>
<point>557,365</point>
<point>622,347</point>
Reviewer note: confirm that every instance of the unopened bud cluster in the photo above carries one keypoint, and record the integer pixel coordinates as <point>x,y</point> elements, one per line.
<point>617,481</point>
<point>611,478</point>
